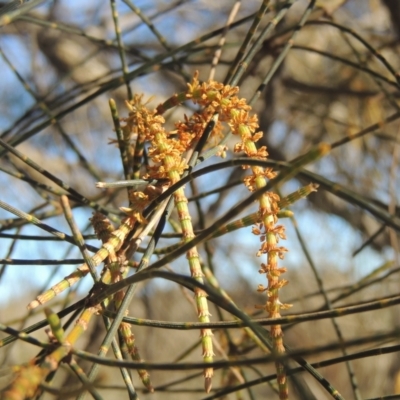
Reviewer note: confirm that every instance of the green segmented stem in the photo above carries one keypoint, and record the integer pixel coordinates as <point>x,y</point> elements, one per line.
<point>169,152</point>
<point>112,245</point>
<point>228,228</point>
<point>129,338</point>
<point>104,230</point>
<point>192,256</point>
<point>26,384</point>
<point>126,329</point>
<point>55,325</point>
<point>196,273</point>
<point>255,217</point>
<point>273,252</point>
<point>297,195</point>
<point>80,326</point>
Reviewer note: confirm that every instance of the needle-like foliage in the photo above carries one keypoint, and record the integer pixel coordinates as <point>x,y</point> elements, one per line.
<point>194,170</point>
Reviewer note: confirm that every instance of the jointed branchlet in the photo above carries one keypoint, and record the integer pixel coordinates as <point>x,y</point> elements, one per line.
<point>111,246</point>
<point>114,243</point>
<point>218,98</point>
<point>254,218</point>
<point>235,112</point>
<point>27,381</point>
<point>169,152</point>
<point>113,272</point>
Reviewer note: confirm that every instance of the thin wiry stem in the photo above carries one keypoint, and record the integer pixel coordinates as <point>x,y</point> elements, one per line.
<point>79,197</point>
<point>123,148</point>
<point>261,334</point>
<point>298,113</point>
<point>116,82</point>
<point>42,105</point>
<point>375,304</point>
<point>121,51</point>
<point>258,42</point>
<point>328,305</point>
<point>250,34</point>
<point>15,9</point>
<point>78,237</point>
<point>289,44</point>
<point>157,34</point>
<point>217,53</point>
<point>115,242</point>
<point>254,218</point>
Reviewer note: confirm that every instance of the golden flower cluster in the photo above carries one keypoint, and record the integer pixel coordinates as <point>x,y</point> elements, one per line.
<point>167,153</point>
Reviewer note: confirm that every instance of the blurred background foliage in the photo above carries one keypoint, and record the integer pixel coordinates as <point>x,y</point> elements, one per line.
<point>61,63</point>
